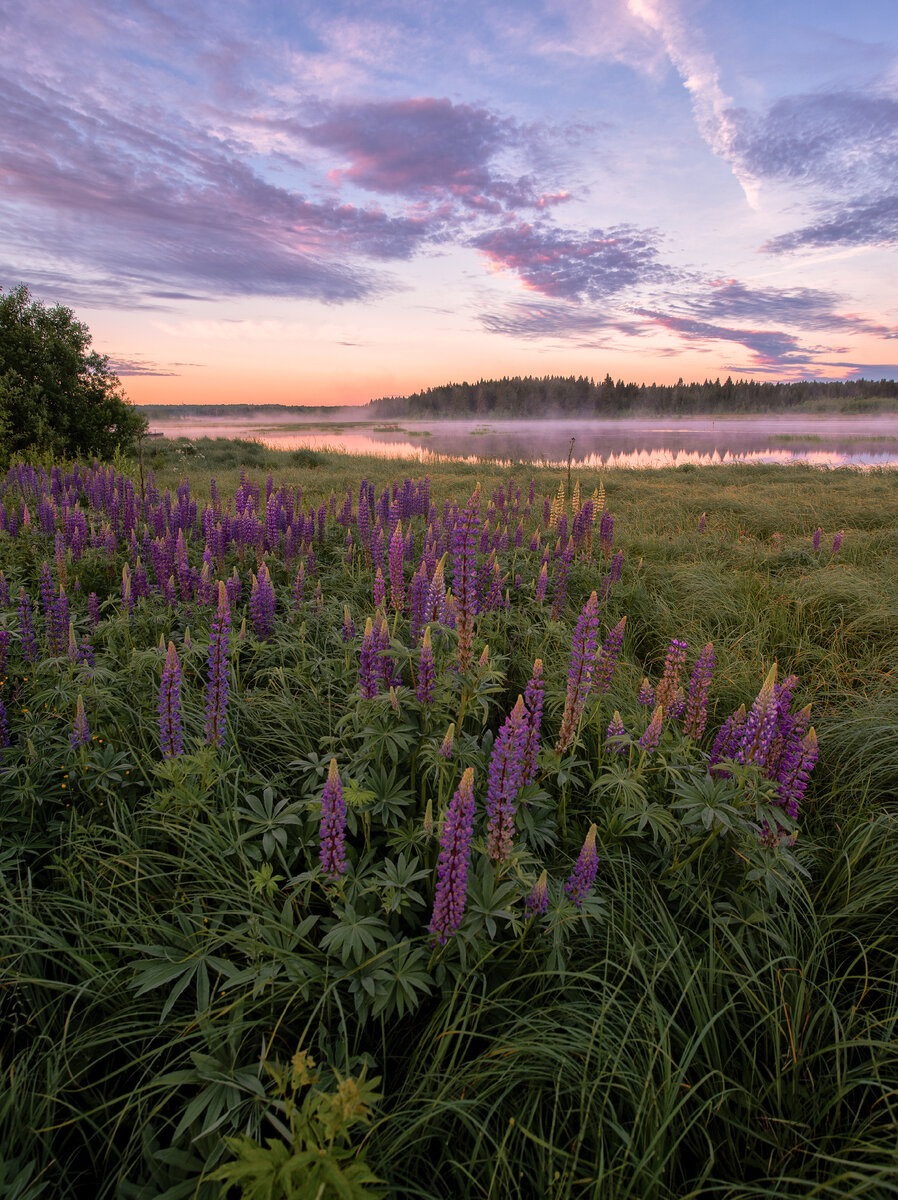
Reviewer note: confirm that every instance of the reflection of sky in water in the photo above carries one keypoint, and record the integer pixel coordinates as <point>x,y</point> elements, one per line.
<point>817,441</point>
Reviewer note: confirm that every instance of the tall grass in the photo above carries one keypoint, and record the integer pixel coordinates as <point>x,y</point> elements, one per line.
<point>717,1022</point>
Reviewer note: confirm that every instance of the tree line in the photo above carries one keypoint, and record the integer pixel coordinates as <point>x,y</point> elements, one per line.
<point>558,396</point>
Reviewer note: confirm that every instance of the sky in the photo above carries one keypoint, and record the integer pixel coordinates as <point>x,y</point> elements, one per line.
<point>323,203</point>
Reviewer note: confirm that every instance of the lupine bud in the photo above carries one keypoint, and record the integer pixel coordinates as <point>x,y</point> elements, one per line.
<point>538,900</point>
<point>348,631</point>
<point>452,866</point>
<point>670,680</point>
<point>217,676</point>
<point>541,584</point>
<point>584,873</point>
<point>652,736</point>
<point>817,532</point>
<point>533,702</point>
<point>583,655</point>
<point>332,855</point>
<point>699,686</point>
<point>369,668</point>
<point>170,736</point>
<point>426,682</point>
<point>646,695</point>
<point>448,742</point>
<point>506,772</point>
<point>614,733</point>
<point>603,671</point>
<point>80,731</point>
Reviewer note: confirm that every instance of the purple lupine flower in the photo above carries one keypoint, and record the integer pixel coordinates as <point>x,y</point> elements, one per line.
<point>579,678</point>
<point>299,587</point>
<point>652,736</point>
<point>533,702</point>
<point>80,731</point>
<point>448,742</point>
<point>452,865</point>
<point>617,566</point>
<point>538,900</point>
<point>4,726</point>
<point>701,523</point>
<point>837,543</point>
<point>792,787</point>
<point>426,682</point>
<point>397,573</point>
<point>816,539</point>
<point>170,736</point>
<point>30,651</point>
<point>614,733</point>
<point>332,855</point>
<point>464,552</point>
<point>369,670</point>
<point>93,610</point>
<point>380,591</point>
<point>699,686</point>
<point>541,584</point>
<point>387,669</point>
<point>584,874</point>
<point>728,737</point>
<point>606,661</point>
<point>217,681</point>
<point>646,694</point>
<point>262,604</point>
<point>760,724</point>
<point>670,680</point>
<point>504,781</point>
<point>85,655</point>
<point>348,630</point>
<point>560,580</point>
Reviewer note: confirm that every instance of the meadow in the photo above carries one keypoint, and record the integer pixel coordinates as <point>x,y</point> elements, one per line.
<point>497,833</point>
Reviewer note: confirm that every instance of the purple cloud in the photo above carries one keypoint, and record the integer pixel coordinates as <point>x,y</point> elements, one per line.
<point>557,321</point>
<point>128,367</point>
<point>844,146</point>
<point>871,222</point>
<point>843,140</point>
<point>564,264</point>
<point>166,211</point>
<point>772,350</point>
<point>807,308</point>
<point>430,148</point>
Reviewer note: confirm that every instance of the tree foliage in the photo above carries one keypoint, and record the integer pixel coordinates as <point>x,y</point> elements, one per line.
<point>557,396</point>
<point>57,395</point>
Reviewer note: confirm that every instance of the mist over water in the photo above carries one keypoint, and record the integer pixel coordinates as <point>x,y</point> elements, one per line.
<point>826,441</point>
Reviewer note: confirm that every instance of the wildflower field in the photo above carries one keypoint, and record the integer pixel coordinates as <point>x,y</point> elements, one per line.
<point>486,833</point>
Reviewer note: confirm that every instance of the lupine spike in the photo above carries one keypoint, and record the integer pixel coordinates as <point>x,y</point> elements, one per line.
<point>506,772</point>
<point>652,736</point>
<point>452,866</point>
<point>332,855</point>
<point>170,736</point>
<point>583,876</point>
<point>583,655</point>
<point>80,730</point>
<point>538,900</point>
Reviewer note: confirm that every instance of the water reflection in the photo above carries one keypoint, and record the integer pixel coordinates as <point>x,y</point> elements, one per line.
<point>816,441</point>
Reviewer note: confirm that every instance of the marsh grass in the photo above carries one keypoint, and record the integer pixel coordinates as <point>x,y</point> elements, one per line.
<point>707,1030</point>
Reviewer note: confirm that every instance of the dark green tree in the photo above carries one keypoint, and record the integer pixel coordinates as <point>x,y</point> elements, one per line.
<point>56,394</point>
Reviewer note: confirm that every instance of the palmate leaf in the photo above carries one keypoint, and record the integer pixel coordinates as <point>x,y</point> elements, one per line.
<point>402,980</point>
<point>352,937</point>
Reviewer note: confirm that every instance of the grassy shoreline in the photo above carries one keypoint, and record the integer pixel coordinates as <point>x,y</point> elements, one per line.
<point>716,1019</point>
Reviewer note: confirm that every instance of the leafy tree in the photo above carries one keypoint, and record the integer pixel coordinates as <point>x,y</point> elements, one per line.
<point>56,394</point>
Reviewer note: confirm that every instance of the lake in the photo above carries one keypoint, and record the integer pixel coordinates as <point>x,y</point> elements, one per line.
<point>825,441</point>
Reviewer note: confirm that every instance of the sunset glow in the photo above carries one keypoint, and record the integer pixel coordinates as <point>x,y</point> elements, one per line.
<point>327,203</point>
